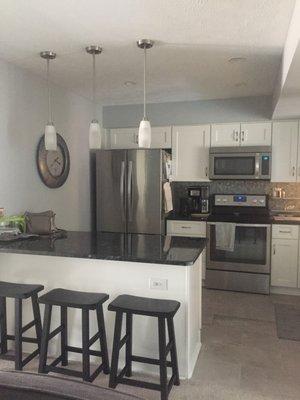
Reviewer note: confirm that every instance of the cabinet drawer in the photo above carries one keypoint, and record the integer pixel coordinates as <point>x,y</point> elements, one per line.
<point>186,228</point>
<point>285,231</point>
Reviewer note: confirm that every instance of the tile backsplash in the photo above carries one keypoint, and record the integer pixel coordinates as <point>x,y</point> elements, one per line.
<point>291,202</point>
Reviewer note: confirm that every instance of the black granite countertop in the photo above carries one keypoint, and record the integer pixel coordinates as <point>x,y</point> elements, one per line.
<point>180,217</point>
<point>155,249</point>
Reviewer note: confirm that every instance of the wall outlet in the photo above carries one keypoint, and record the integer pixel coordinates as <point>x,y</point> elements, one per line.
<point>159,284</point>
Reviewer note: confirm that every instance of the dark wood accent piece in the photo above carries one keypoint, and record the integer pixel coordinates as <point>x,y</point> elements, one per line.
<point>86,302</point>
<point>164,311</point>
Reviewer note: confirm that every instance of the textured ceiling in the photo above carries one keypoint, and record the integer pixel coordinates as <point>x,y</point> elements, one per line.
<point>195,39</point>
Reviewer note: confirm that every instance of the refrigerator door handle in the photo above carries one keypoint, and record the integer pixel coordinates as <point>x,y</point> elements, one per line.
<point>129,190</point>
<point>122,190</point>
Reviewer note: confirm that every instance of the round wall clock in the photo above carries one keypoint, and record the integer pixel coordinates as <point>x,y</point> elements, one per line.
<point>53,166</point>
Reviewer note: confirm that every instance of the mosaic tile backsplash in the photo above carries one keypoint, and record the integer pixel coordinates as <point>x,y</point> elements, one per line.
<point>291,202</point>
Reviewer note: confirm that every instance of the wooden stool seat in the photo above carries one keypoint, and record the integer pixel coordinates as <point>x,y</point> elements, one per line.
<point>18,290</point>
<point>144,306</point>
<point>73,299</point>
<point>164,311</point>
<point>64,298</point>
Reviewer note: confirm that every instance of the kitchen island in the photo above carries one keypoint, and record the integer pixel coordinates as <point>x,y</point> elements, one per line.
<point>143,265</point>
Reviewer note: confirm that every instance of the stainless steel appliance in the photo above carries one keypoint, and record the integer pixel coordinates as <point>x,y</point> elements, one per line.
<point>199,199</point>
<point>129,185</point>
<point>246,267</point>
<point>240,162</point>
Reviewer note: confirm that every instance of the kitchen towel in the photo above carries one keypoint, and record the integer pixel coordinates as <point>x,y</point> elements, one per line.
<point>225,236</point>
<point>168,200</point>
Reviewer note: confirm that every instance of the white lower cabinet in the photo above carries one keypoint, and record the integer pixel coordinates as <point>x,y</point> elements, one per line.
<point>189,229</point>
<point>285,248</point>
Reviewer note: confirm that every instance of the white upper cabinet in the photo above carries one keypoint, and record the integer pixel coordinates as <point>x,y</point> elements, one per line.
<point>161,137</point>
<point>284,151</point>
<point>225,135</point>
<point>244,134</point>
<point>256,134</point>
<point>127,138</point>
<point>123,138</point>
<point>190,153</point>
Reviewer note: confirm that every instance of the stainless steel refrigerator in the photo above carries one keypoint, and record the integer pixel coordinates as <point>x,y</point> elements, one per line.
<point>129,185</point>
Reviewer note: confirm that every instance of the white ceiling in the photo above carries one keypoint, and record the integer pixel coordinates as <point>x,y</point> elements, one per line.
<point>195,39</point>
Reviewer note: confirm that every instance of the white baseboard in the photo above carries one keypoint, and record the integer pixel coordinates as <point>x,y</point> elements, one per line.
<point>285,290</point>
<point>194,360</point>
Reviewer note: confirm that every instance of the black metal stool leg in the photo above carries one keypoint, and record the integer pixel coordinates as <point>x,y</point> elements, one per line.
<point>64,335</point>
<point>37,318</point>
<point>162,358</point>
<point>45,339</point>
<point>103,341</point>
<point>116,351</point>
<point>3,326</point>
<point>173,351</point>
<point>85,346</point>
<point>129,345</point>
<point>18,334</point>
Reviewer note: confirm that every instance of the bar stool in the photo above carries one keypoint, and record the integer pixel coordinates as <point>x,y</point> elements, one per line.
<point>164,310</point>
<point>19,292</point>
<point>81,300</point>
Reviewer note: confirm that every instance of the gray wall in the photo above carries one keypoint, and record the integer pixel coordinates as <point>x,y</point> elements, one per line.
<point>190,112</point>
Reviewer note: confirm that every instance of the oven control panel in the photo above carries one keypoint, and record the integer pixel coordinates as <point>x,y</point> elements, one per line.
<point>240,200</point>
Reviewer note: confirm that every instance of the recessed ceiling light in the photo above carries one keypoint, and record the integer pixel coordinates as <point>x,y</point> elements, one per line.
<point>129,83</point>
<point>237,59</point>
<point>240,84</point>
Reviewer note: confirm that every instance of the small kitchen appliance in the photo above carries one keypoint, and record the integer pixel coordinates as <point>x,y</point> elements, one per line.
<point>198,200</point>
<point>243,222</point>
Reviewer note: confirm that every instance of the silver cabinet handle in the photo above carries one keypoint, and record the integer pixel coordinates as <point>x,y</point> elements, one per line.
<point>274,249</point>
<point>284,231</point>
<point>186,227</point>
<point>129,190</point>
<point>293,171</point>
<point>236,136</point>
<point>206,171</point>
<point>122,190</point>
<point>243,136</point>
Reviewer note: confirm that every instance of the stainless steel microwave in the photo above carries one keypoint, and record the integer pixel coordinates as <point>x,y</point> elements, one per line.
<point>240,162</point>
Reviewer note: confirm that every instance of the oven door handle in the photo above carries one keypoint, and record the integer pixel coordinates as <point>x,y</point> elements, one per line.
<point>238,224</point>
<point>257,166</point>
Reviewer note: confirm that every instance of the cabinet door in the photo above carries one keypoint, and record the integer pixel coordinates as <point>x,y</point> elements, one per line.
<point>225,135</point>
<point>190,153</point>
<point>284,270</point>
<point>256,134</point>
<point>284,151</point>
<point>124,138</point>
<point>161,137</point>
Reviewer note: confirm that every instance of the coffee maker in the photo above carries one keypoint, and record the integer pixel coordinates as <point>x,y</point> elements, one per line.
<point>197,201</point>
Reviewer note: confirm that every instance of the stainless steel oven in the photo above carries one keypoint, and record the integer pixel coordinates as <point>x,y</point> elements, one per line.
<point>246,265</point>
<point>240,163</point>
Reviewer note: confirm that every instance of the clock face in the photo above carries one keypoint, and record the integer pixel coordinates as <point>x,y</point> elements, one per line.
<point>53,166</point>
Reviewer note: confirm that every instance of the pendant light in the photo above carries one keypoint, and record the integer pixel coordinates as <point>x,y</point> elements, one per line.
<point>50,131</point>
<point>95,129</point>
<point>144,136</point>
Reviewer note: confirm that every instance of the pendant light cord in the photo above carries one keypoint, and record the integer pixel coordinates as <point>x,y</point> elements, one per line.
<point>145,115</point>
<point>94,84</point>
<point>50,119</point>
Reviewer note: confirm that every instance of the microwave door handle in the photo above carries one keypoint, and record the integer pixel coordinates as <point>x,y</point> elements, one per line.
<point>129,191</point>
<point>122,190</point>
<point>257,166</point>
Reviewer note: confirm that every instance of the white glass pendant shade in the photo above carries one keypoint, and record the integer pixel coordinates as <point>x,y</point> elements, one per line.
<point>95,135</point>
<point>50,137</point>
<point>144,138</point>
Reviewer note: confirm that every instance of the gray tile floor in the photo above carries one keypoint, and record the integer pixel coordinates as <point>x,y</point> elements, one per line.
<point>241,357</point>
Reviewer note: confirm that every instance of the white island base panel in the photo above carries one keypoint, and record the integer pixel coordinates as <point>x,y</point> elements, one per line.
<point>113,278</point>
